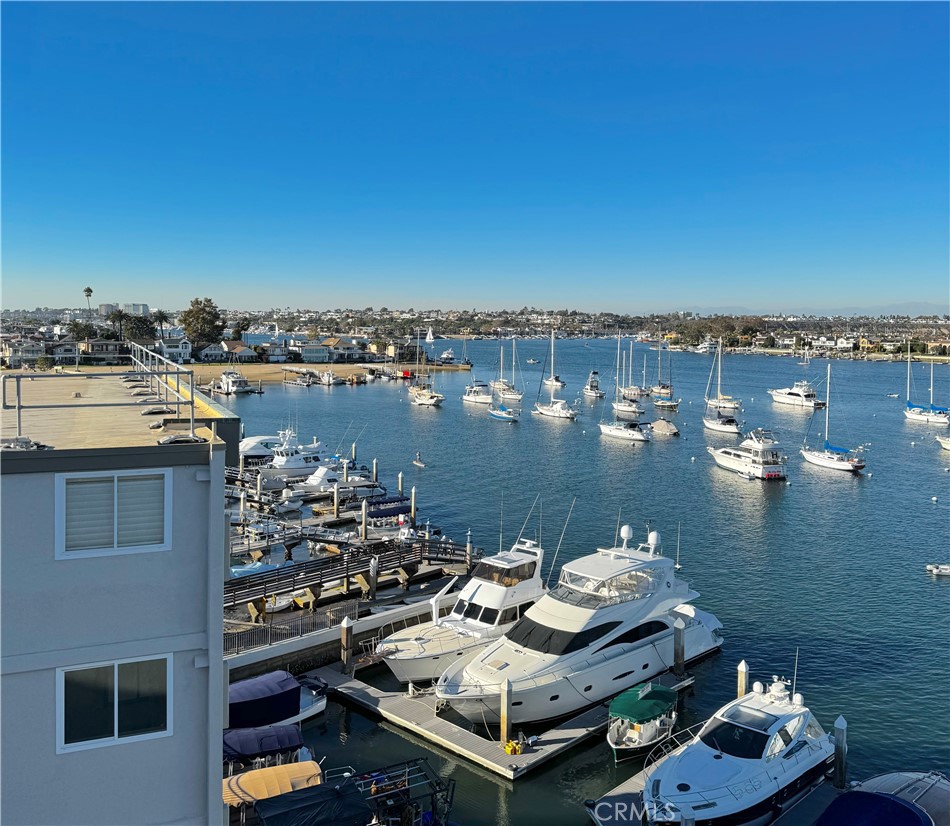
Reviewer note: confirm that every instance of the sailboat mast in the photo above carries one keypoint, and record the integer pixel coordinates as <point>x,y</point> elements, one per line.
<point>827,401</point>
<point>908,371</point>
<point>719,371</point>
<point>630,379</point>
<point>931,384</point>
<point>617,371</point>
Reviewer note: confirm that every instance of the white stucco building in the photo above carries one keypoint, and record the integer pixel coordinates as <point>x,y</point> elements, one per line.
<point>111,671</point>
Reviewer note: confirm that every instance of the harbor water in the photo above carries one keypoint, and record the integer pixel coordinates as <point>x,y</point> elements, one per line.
<point>829,564</point>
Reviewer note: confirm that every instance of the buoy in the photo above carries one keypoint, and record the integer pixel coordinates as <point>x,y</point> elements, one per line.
<point>788,482</point>
<point>912,444</point>
<point>870,475</point>
<point>692,459</point>
<point>933,498</point>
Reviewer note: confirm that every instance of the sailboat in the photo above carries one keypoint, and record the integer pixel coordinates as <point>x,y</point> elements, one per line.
<point>555,408</point>
<point>553,380</point>
<point>503,388</point>
<point>625,406</point>
<point>662,389</point>
<point>829,456</point>
<point>421,392</point>
<point>630,431</point>
<point>636,391</point>
<point>919,413</point>
<point>713,419</point>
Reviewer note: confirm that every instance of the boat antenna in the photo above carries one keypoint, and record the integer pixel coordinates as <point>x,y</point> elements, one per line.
<point>339,447</point>
<point>795,675</point>
<point>617,532</point>
<point>558,548</point>
<point>525,525</point>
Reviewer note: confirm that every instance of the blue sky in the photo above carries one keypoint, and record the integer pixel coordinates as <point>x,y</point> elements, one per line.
<point>628,157</point>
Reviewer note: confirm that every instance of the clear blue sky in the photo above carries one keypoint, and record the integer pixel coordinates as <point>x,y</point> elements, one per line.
<point>629,157</point>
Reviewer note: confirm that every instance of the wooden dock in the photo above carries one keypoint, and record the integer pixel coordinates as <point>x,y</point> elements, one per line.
<point>418,715</point>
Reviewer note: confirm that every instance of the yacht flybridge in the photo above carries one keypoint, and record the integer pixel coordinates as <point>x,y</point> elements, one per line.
<point>753,757</point>
<point>606,626</point>
<point>501,589</point>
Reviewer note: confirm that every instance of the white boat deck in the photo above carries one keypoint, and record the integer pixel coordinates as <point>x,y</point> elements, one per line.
<point>418,715</point>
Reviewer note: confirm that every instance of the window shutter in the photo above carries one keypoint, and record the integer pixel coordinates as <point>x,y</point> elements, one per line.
<point>90,505</point>
<point>141,510</point>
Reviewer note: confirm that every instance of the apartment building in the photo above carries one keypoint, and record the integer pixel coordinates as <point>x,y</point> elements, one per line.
<point>113,549</point>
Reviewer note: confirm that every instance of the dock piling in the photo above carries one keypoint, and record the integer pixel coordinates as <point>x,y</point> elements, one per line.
<point>412,507</point>
<point>679,648</point>
<point>375,471</point>
<point>841,753</point>
<point>399,483</point>
<point>373,576</point>
<point>346,644</point>
<point>346,471</point>
<point>353,452</point>
<point>468,549</point>
<point>364,518</point>
<point>742,687</point>
<point>504,734</point>
<point>336,500</point>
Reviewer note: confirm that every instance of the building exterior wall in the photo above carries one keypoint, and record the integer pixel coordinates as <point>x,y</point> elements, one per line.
<point>58,613</point>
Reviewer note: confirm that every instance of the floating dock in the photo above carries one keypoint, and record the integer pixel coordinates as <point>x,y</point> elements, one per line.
<point>418,715</point>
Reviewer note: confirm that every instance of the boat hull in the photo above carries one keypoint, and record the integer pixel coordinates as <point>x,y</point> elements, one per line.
<point>918,414</point>
<point>833,461</point>
<point>429,667</point>
<point>804,403</point>
<point>745,468</point>
<point>548,697</point>
<point>720,426</point>
<point>626,434</point>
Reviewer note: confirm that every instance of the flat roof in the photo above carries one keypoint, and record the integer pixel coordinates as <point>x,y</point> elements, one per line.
<point>76,424</point>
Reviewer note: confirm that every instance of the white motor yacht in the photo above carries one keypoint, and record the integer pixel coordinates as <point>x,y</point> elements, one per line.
<point>332,474</point>
<point>756,457</point>
<point>231,383</point>
<point>800,394</point>
<point>592,388</point>
<point>291,459</point>
<point>607,626</point>
<point>448,356</point>
<point>257,450</point>
<point>501,589</point>
<point>477,393</point>
<point>627,431</point>
<point>423,395</point>
<point>752,758</point>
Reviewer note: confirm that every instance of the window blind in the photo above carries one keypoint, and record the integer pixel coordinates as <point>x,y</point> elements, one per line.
<point>90,509</point>
<point>141,510</point>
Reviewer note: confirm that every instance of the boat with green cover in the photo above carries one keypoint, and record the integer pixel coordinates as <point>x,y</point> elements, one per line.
<point>639,718</point>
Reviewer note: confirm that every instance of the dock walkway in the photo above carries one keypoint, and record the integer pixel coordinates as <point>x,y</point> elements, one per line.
<point>418,714</point>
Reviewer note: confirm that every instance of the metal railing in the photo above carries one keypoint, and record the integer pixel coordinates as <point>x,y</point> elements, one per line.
<point>164,377</point>
<point>270,633</point>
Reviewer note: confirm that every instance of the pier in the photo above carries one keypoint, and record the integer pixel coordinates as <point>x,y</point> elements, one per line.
<point>418,713</point>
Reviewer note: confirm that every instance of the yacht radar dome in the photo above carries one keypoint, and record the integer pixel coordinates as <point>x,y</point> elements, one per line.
<point>758,688</point>
<point>626,534</point>
<point>654,539</point>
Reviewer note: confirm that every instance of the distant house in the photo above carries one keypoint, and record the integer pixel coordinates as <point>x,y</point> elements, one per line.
<point>210,352</point>
<point>311,352</point>
<point>64,351</point>
<point>276,353</point>
<point>102,351</point>
<point>343,349</point>
<point>239,351</point>
<point>175,349</point>
<point>20,352</point>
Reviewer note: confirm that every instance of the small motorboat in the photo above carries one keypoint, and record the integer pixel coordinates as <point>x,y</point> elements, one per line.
<point>639,718</point>
<point>664,427</point>
<point>418,461</point>
<point>667,404</point>
<point>532,361</point>
<point>503,413</point>
<point>939,569</point>
<point>275,699</point>
<point>893,395</point>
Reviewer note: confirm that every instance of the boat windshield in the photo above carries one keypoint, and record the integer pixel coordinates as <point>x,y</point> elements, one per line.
<point>736,741</point>
<point>546,640</point>
<point>506,577</point>
<point>474,612</point>
<point>592,592</point>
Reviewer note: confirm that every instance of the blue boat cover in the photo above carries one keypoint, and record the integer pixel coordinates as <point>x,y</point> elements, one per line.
<point>323,805</point>
<point>831,448</point>
<point>264,700</point>
<point>857,808</point>
<point>935,409</point>
<point>249,743</point>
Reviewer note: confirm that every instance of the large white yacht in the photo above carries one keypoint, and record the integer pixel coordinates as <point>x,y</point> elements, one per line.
<point>755,457</point>
<point>800,394</point>
<point>607,625</point>
<point>477,393</point>
<point>257,450</point>
<point>753,757</point>
<point>501,589</point>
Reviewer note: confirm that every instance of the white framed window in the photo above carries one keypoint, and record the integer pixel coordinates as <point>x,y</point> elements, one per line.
<point>113,512</point>
<point>108,703</point>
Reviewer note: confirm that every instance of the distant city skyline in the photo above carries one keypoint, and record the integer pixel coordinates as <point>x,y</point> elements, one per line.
<point>632,158</point>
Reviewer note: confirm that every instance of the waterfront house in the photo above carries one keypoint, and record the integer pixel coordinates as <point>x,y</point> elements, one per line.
<point>22,352</point>
<point>177,350</point>
<point>211,352</point>
<point>111,664</point>
<point>64,351</point>
<point>102,351</point>
<point>343,349</point>
<point>311,352</point>
<point>275,353</point>
<point>238,351</point>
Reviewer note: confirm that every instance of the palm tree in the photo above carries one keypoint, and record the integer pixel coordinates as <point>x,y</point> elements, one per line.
<point>117,319</point>
<point>88,293</point>
<point>160,317</point>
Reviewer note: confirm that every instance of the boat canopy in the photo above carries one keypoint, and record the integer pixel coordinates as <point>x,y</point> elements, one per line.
<point>935,409</point>
<point>643,703</point>
<point>261,784</point>
<point>588,590</point>
<point>263,700</point>
<point>832,449</point>
<point>324,805</point>
<point>240,743</point>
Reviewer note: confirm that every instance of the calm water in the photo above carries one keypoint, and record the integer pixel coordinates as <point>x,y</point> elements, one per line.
<point>830,564</point>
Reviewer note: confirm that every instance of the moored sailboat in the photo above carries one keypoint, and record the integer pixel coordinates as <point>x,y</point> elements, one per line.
<point>919,413</point>
<point>829,456</point>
